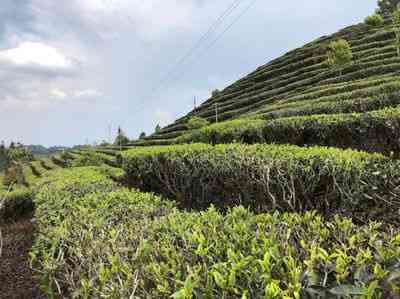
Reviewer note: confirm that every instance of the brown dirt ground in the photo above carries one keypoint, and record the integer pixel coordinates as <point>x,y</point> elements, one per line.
<point>16,279</point>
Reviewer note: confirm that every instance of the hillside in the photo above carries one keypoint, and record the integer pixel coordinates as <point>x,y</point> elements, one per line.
<point>300,83</point>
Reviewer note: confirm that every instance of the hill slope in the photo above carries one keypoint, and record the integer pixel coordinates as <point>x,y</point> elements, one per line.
<point>301,83</point>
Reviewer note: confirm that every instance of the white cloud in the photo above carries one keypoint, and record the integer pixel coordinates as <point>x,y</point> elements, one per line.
<point>88,93</point>
<point>151,19</point>
<point>29,53</point>
<point>58,93</point>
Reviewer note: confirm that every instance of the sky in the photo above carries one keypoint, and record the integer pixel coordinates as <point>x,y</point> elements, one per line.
<point>72,69</point>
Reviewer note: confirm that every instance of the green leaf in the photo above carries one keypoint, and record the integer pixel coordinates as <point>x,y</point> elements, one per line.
<point>179,295</point>
<point>219,279</point>
<point>347,290</point>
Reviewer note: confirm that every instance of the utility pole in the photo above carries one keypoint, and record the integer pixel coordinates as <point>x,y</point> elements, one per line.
<point>216,112</point>
<point>109,133</point>
<point>119,138</point>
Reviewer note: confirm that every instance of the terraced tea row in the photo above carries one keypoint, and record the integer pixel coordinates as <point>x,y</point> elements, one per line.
<point>95,157</point>
<point>98,240</point>
<point>16,199</point>
<point>269,178</point>
<point>376,131</point>
<point>300,83</point>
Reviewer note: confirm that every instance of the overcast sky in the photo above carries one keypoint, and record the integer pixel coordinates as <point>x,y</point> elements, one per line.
<point>69,68</point>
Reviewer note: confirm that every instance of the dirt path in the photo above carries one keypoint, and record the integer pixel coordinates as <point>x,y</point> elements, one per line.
<point>16,280</point>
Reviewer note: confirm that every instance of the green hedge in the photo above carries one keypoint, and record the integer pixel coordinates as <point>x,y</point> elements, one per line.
<point>15,203</point>
<point>60,162</point>
<point>45,165</point>
<point>356,105</point>
<point>125,244</point>
<point>93,158</point>
<point>268,177</point>
<point>376,131</point>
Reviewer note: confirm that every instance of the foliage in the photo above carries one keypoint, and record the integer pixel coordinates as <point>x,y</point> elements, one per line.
<point>215,93</point>
<point>64,160</point>
<point>268,177</point>
<point>118,243</point>
<point>299,72</point>
<point>121,138</point>
<point>356,97</point>
<point>13,175</point>
<point>396,24</point>
<point>14,154</point>
<point>374,20</point>
<point>142,135</point>
<point>376,131</point>
<point>196,122</point>
<point>339,53</point>
<point>157,129</point>
<point>387,7</point>
<point>88,158</point>
<point>15,202</point>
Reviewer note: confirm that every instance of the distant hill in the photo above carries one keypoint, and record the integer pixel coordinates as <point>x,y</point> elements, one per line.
<point>40,150</point>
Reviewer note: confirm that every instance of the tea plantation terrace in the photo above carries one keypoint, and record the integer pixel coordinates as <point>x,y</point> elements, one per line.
<point>300,83</point>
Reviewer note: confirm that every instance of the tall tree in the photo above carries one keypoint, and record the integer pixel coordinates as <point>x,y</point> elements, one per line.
<point>121,138</point>
<point>142,135</point>
<point>387,7</point>
<point>158,128</point>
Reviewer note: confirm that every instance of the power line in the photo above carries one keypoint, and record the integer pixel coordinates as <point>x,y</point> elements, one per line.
<point>239,16</point>
<point>213,42</point>
<point>197,45</point>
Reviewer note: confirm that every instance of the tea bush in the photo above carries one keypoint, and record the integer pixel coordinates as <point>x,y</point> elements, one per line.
<point>376,131</point>
<point>118,243</point>
<point>93,158</point>
<point>15,202</point>
<point>268,177</point>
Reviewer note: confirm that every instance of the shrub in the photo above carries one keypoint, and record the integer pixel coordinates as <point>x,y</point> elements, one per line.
<point>15,203</point>
<point>18,154</point>
<point>88,158</point>
<point>215,93</point>
<point>196,122</point>
<point>396,23</point>
<point>14,175</point>
<point>113,243</point>
<point>387,7</point>
<point>339,54</point>
<point>157,129</point>
<point>44,165</point>
<point>121,138</point>
<point>142,135</point>
<point>374,20</point>
<point>60,161</point>
<point>376,131</point>
<point>35,170</point>
<point>267,177</point>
